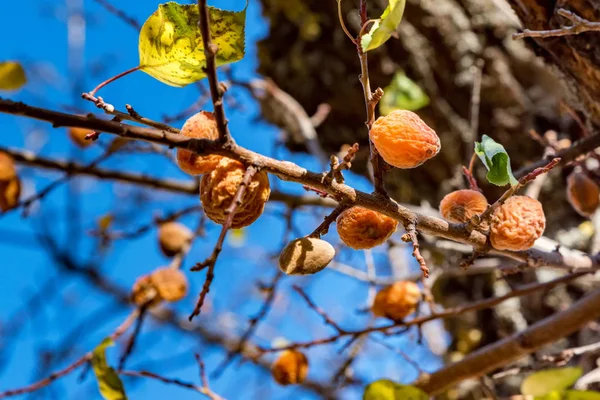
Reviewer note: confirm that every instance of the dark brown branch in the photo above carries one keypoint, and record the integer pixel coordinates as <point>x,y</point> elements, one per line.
<point>216,91</point>
<point>512,348</point>
<point>146,374</point>
<point>580,25</point>
<point>120,14</point>
<point>448,313</point>
<point>211,261</point>
<point>326,318</point>
<point>323,228</point>
<point>411,237</point>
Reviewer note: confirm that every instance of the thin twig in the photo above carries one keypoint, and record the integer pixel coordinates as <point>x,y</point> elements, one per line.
<point>580,25</point>
<point>210,262</point>
<point>323,228</point>
<point>326,318</point>
<point>411,237</point>
<point>147,374</point>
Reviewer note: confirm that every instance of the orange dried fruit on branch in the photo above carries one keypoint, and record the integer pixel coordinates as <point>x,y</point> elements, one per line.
<point>144,292</point>
<point>397,301</point>
<point>290,368</point>
<point>583,193</point>
<point>460,205</point>
<point>7,167</point>
<point>173,238</point>
<point>171,284</point>
<point>218,189</point>
<point>404,140</point>
<point>361,228</point>
<point>199,126</point>
<point>517,224</point>
<point>305,256</point>
<point>10,184</point>
<point>77,136</point>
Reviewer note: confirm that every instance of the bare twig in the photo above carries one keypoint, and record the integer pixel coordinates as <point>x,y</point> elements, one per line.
<point>326,318</point>
<point>411,237</point>
<point>580,25</point>
<point>120,14</point>
<point>200,389</point>
<point>210,262</point>
<point>323,228</point>
<point>337,167</point>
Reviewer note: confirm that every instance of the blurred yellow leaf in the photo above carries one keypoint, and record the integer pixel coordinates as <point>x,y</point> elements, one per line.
<point>109,383</point>
<point>12,75</point>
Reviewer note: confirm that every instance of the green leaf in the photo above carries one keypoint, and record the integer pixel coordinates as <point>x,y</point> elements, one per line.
<point>496,160</point>
<point>385,389</point>
<point>402,94</point>
<point>551,380</point>
<point>170,42</point>
<point>385,26</point>
<point>12,75</point>
<point>109,383</point>
<point>581,395</point>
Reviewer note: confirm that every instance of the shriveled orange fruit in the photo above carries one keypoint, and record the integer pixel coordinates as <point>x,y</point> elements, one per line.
<point>517,224</point>
<point>583,193</point>
<point>144,292</point>
<point>173,237</point>
<point>397,300</point>
<point>290,368</point>
<point>404,140</point>
<point>460,205</point>
<point>200,126</point>
<point>171,284</point>
<point>10,192</point>
<point>217,191</point>
<point>77,136</point>
<point>7,167</point>
<point>361,228</point>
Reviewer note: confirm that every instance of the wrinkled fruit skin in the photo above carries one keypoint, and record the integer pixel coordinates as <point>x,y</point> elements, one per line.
<point>361,228</point>
<point>404,140</point>
<point>305,256</point>
<point>10,185</point>
<point>583,193</point>
<point>218,189</point>
<point>171,284</point>
<point>397,301</point>
<point>517,224</point>
<point>290,368</point>
<point>199,126</point>
<point>460,205</point>
<point>78,135</point>
<point>162,284</point>
<point>173,237</point>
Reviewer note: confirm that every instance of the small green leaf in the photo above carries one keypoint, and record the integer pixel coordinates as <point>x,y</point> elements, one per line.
<point>12,75</point>
<point>385,389</point>
<point>109,383</point>
<point>170,43</point>
<point>402,94</point>
<point>385,26</point>
<point>545,382</point>
<point>496,160</point>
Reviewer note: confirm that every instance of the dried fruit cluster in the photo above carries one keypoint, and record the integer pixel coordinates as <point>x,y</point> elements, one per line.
<point>397,301</point>
<point>461,205</point>
<point>10,184</point>
<point>517,224</point>
<point>218,189</point>
<point>361,228</point>
<point>290,368</point>
<point>162,284</point>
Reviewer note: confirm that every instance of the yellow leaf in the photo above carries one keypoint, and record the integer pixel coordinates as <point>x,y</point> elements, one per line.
<point>12,75</point>
<point>170,44</point>
<point>104,222</point>
<point>109,384</point>
<point>550,380</point>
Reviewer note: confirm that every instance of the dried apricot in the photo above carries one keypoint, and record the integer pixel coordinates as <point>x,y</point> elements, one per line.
<point>404,140</point>
<point>305,256</point>
<point>10,192</point>
<point>517,224</point>
<point>583,193</point>
<point>200,126</point>
<point>77,136</point>
<point>461,205</point>
<point>290,368</point>
<point>397,300</point>
<point>218,189</point>
<point>361,228</point>
<point>144,292</point>
<point>171,284</point>
<point>173,237</point>
<point>7,167</point>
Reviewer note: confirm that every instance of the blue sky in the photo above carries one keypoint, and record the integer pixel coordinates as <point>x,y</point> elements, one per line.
<point>40,42</point>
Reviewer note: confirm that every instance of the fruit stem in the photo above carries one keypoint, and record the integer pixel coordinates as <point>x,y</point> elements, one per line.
<point>114,78</point>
